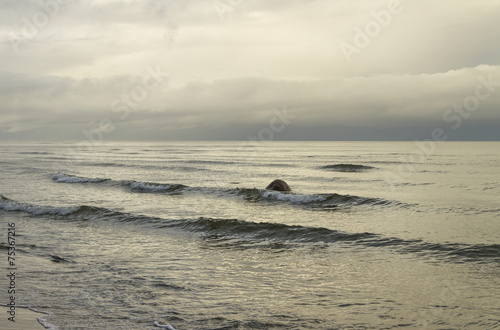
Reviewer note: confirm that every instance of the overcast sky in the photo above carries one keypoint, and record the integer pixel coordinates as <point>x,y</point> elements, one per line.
<point>240,69</point>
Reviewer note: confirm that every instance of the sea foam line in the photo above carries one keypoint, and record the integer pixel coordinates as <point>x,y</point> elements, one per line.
<point>67,178</point>
<point>133,185</point>
<point>165,326</point>
<point>11,205</point>
<point>328,200</point>
<point>293,198</point>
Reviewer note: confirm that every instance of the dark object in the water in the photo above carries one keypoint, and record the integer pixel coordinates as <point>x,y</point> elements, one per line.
<point>347,168</point>
<point>56,258</point>
<point>278,185</point>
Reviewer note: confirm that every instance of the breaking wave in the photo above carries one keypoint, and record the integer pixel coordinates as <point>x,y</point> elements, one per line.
<point>12,205</point>
<point>67,178</point>
<point>322,201</point>
<point>136,186</point>
<point>152,187</point>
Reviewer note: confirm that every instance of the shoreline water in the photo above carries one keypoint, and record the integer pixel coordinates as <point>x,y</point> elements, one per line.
<point>25,318</point>
<point>133,236</point>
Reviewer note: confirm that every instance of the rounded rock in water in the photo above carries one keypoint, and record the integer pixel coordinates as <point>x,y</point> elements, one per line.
<point>278,185</point>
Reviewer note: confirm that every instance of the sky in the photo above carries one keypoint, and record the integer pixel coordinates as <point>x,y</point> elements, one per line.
<point>250,70</point>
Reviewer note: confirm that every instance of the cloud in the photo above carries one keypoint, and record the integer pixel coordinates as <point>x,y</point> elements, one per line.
<point>227,73</point>
<point>375,101</point>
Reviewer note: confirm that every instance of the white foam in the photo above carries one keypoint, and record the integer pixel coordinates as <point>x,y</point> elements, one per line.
<point>66,178</point>
<point>40,320</point>
<point>292,198</point>
<point>166,326</point>
<point>45,324</point>
<point>10,205</point>
<point>148,186</point>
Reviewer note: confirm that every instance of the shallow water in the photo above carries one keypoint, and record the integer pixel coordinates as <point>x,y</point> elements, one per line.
<point>373,235</point>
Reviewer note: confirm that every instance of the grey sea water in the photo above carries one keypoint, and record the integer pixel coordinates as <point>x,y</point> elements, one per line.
<point>136,235</point>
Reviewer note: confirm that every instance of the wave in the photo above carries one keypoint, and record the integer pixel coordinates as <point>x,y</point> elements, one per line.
<point>148,166</point>
<point>326,201</point>
<point>256,195</point>
<point>93,164</point>
<point>411,184</point>
<point>314,201</point>
<point>136,186</point>
<point>12,205</point>
<point>211,162</point>
<point>34,153</point>
<point>347,168</point>
<point>152,187</point>
<point>240,234</point>
<point>67,178</point>
<point>246,231</point>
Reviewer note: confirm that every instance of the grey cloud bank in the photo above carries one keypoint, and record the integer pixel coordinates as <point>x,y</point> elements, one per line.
<point>92,64</point>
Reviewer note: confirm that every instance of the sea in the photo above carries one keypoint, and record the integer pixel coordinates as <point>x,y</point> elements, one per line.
<point>184,235</point>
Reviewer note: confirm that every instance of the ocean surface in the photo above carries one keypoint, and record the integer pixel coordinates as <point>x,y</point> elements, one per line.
<point>183,235</point>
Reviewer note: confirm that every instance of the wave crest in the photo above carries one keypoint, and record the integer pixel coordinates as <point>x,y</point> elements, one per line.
<point>152,187</point>
<point>12,205</point>
<point>136,186</point>
<point>240,229</point>
<point>314,201</point>
<point>325,201</point>
<point>67,178</point>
